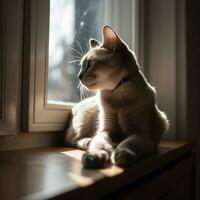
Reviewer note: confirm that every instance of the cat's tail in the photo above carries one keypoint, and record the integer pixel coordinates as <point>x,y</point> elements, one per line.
<point>67,128</point>
<point>159,125</point>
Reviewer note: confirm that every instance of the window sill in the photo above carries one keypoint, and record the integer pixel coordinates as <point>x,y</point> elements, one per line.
<point>57,173</point>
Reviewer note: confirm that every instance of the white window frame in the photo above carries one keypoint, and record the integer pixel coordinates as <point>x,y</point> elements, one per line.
<point>37,114</point>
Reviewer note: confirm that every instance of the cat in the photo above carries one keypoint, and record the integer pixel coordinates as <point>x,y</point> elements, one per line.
<point>121,123</point>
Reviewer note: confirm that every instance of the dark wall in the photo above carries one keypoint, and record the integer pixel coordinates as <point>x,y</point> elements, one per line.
<point>193,76</point>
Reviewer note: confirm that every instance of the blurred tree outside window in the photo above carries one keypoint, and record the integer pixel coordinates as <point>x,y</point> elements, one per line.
<point>72,23</point>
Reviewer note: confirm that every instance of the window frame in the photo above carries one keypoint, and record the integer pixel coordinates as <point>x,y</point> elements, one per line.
<point>37,115</point>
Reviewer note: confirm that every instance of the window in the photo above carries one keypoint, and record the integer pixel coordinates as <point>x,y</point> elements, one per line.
<point>72,23</point>
<point>56,33</point>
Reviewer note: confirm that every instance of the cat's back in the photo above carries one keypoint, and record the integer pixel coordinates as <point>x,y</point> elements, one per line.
<point>84,114</point>
<point>86,106</point>
<point>83,120</point>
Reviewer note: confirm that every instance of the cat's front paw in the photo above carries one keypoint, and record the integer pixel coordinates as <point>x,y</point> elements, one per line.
<point>95,160</point>
<point>123,157</point>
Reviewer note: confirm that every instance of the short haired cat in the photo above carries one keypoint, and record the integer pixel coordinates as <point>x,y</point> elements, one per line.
<point>122,123</point>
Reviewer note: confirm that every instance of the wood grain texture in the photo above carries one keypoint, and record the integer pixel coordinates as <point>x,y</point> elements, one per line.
<point>57,173</point>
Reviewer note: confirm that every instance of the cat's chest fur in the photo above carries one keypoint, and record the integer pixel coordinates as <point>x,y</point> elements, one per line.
<point>119,98</point>
<point>118,106</point>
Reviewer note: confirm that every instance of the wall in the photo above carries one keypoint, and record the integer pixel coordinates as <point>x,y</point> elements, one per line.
<point>193,83</point>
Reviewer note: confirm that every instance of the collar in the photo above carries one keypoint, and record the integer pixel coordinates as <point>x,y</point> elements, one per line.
<point>121,82</point>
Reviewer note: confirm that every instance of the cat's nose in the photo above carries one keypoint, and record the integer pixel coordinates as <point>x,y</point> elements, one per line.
<point>80,75</point>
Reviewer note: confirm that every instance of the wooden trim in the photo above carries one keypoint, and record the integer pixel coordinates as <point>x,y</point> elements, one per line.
<point>26,68</point>
<point>11,63</point>
<point>37,114</point>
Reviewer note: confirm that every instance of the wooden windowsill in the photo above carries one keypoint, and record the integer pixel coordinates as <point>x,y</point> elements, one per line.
<point>56,172</point>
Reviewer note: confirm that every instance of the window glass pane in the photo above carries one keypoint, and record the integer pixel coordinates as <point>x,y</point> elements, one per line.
<point>72,23</point>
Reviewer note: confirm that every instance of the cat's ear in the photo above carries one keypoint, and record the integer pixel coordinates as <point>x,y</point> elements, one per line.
<point>110,38</point>
<point>93,43</point>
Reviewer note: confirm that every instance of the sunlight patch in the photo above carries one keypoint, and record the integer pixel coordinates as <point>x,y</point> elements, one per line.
<point>112,171</point>
<point>76,154</point>
<point>83,181</point>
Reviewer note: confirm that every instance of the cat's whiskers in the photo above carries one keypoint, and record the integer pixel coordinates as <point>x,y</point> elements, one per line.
<point>81,55</point>
<point>83,92</point>
<point>80,47</point>
<point>76,57</point>
<point>88,46</point>
<point>72,61</point>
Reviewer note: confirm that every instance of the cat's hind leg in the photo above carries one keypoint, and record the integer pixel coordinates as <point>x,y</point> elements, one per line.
<point>72,140</point>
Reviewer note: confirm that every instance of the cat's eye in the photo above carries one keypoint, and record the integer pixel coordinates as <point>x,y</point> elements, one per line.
<point>88,65</point>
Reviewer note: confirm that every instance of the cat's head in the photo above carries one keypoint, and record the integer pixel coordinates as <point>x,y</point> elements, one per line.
<point>106,64</point>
